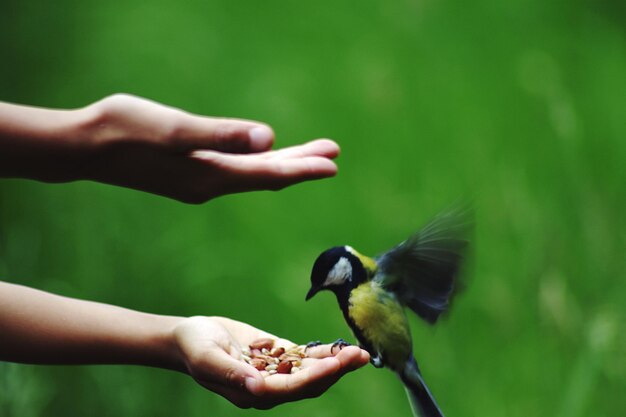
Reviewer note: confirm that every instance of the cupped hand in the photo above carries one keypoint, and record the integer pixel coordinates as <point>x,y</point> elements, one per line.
<point>141,144</point>
<point>211,350</point>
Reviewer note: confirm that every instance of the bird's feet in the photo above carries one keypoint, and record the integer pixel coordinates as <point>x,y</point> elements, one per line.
<point>312,344</point>
<point>339,343</point>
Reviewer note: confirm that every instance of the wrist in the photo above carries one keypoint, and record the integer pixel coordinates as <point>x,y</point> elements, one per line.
<point>77,146</point>
<point>162,349</point>
<point>43,144</point>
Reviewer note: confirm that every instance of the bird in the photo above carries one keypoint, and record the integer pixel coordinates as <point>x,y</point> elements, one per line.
<point>422,273</point>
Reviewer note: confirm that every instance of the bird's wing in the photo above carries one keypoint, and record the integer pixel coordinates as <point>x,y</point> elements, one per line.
<point>423,270</point>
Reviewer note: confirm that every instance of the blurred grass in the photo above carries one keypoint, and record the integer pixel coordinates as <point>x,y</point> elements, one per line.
<point>519,103</point>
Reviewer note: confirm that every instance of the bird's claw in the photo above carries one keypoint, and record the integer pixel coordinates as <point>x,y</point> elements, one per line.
<point>312,344</point>
<point>340,343</point>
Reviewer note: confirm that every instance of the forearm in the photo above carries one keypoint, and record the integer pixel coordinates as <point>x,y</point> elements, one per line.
<point>43,144</point>
<point>39,327</point>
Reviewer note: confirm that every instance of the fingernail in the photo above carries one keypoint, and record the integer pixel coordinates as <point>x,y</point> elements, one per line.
<point>261,138</point>
<point>253,385</point>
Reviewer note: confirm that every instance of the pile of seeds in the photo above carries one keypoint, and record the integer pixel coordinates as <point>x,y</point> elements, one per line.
<point>275,360</point>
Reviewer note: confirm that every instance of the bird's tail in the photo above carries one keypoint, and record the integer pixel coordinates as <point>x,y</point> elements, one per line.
<point>422,402</point>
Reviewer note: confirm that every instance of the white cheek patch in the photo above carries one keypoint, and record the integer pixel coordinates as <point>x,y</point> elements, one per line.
<point>341,272</point>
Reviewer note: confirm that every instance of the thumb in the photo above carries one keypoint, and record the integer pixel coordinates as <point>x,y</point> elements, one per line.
<point>218,368</point>
<point>222,134</point>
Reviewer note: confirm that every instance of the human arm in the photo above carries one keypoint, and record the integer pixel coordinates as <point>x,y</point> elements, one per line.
<point>137,143</point>
<point>39,327</point>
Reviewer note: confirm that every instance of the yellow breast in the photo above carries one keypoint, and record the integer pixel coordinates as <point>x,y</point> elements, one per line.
<point>381,319</point>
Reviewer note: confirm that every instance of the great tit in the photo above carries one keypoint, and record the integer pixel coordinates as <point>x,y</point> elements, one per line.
<point>420,273</point>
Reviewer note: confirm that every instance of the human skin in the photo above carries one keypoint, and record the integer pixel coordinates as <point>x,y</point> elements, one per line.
<point>42,328</point>
<point>137,143</point>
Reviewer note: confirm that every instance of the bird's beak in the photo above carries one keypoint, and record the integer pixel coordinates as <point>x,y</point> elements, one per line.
<point>311,293</point>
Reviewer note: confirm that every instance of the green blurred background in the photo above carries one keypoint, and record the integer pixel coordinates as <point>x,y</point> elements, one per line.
<point>521,104</point>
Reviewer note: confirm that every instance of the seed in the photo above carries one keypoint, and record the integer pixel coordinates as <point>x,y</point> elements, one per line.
<point>262,343</point>
<point>276,352</point>
<point>258,363</point>
<point>289,357</point>
<point>297,350</point>
<point>284,367</point>
<point>271,360</point>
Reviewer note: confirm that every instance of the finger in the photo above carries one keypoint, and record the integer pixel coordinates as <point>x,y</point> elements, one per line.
<point>269,173</point>
<point>319,147</point>
<point>304,380</point>
<point>301,169</point>
<point>352,357</point>
<point>365,357</point>
<point>281,388</point>
<point>218,367</point>
<point>314,378</point>
<point>319,351</point>
<point>222,134</point>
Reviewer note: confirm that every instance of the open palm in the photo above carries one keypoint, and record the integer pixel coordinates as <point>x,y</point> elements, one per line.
<point>211,348</point>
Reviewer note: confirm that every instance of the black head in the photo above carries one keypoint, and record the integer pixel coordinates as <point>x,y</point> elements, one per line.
<point>335,269</point>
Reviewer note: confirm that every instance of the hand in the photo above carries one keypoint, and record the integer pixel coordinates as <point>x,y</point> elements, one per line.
<point>211,348</point>
<point>137,143</point>
<point>151,147</point>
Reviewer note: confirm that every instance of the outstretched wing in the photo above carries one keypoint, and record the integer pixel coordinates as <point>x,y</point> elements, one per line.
<point>423,270</point>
